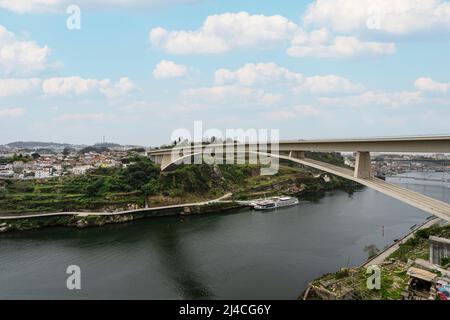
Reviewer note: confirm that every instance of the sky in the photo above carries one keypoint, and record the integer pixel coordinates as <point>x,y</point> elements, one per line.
<point>136,71</point>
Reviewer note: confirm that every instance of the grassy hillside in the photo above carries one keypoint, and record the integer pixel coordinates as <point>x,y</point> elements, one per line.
<point>141,182</point>
<point>393,271</point>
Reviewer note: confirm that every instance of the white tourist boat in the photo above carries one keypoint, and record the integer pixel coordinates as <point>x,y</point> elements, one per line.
<point>275,202</point>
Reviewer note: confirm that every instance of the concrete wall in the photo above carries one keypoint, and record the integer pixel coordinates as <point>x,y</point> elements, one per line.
<point>439,248</point>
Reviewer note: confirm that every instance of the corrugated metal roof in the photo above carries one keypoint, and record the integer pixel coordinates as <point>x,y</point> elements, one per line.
<point>421,274</point>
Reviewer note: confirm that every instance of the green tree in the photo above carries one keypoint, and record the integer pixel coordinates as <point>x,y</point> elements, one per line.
<point>66,152</point>
<point>94,188</point>
<point>151,188</point>
<point>141,172</point>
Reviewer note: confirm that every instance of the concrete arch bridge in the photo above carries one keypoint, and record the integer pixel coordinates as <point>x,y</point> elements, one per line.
<point>294,151</point>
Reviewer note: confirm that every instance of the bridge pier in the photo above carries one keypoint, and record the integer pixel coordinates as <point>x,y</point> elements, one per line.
<point>297,154</point>
<point>362,165</point>
<point>166,161</point>
<point>156,159</point>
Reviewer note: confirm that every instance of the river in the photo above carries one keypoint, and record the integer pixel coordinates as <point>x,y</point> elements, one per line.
<point>239,255</point>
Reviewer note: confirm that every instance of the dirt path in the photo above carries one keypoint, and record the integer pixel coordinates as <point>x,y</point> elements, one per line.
<point>202,203</point>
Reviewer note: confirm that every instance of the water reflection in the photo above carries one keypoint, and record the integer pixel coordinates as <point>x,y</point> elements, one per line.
<point>178,265</point>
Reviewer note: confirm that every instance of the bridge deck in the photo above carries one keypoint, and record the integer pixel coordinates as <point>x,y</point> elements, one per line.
<point>415,199</point>
<point>427,144</point>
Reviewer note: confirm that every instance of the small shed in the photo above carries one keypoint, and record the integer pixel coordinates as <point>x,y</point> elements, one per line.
<point>420,283</point>
<point>421,274</point>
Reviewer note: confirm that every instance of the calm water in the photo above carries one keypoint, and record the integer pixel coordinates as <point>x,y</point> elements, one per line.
<point>244,255</point>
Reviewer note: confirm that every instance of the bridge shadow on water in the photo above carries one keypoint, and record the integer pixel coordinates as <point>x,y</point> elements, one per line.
<point>178,265</point>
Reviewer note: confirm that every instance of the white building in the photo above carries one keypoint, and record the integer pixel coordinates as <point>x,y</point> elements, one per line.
<point>81,169</point>
<point>6,173</point>
<point>42,174</point>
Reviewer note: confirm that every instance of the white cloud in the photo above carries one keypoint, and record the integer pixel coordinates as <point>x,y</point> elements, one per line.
<point>429,85</point>
<point>248,85</point>
<point>272,74</point>
<point>13,87</point>
<point>169,69</point>
<point>53,108</point>
<point>307,110</point>
<point>20,57</point>
<point>229,96</point>
<point>397,17</point>
<point>96,117</point>
<point>22,6</point>
<point>252,74</point>
<point>12,112</point>
<point>375,99</point>
<point>293,112</point>
<point>224,32</point>
<point>279,115</point>
<point>59,6</point>
<point>119,89</point>
<point>139,107</point>
<point>70,86</point>
<point>228,31</point>
<point>186,42</point>
<point>329,84</point>
<point>320,43</point>
<point>428,93</point>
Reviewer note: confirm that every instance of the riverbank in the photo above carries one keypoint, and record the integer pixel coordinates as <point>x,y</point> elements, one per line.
<point>84,219</point>
<point>393,261</point>
<point>91,219</point>
<point>383,255</point>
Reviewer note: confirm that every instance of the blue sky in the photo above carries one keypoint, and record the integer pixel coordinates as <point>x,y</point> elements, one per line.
<point>138,70</point>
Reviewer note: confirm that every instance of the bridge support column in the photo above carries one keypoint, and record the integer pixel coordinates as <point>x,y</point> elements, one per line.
<point>156,159</point>
<point>297,154</point>
<point>362,165</point>
<point>166,161</point>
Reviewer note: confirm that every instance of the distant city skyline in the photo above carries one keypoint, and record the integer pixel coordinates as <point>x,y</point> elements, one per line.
<point>137,71</point>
